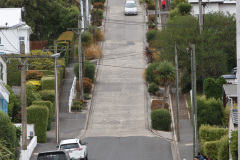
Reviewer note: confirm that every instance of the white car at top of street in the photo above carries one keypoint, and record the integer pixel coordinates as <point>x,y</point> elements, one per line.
<point>130,8</point>
<point>75,148</point>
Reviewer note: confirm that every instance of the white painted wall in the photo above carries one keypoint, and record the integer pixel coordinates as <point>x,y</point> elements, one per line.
<point>30,127</point>
<point>26,154</point>
<point>214,7</point>
<point>10,40</point>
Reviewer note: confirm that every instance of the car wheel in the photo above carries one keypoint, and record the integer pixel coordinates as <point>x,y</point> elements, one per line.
<point>86,157</point>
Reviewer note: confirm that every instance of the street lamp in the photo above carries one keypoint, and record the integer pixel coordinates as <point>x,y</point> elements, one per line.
<point>56,56</point>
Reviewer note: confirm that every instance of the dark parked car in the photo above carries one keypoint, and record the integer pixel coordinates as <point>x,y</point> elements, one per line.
<point>54,155</point>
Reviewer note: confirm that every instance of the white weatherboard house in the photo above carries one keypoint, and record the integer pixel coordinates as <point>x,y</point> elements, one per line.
<point>13,31</point>
<point>214,6</point>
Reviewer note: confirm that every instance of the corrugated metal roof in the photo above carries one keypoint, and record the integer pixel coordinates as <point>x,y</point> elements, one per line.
<point>230,89</point>
<point>234,115</point>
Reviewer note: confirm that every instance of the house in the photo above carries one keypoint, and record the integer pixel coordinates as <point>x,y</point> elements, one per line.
<point>213,6</point>
<point>229,94</point>
<point>13,31</point>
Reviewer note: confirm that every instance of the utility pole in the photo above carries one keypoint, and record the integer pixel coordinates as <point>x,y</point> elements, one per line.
<point>56,92</point>
<point>194,99</point>
<point>80,60</point>
<point>238,67</point>
<point>177,94</point>
<point>87,14</point>
<point>23,99</point>
<point>156,8</point>
<point>200,16</point>
<point>82,15</point>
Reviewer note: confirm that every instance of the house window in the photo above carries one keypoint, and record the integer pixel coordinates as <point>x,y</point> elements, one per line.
<point>21,41</point>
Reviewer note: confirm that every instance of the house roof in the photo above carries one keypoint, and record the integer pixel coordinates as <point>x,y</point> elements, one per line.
<point>229,76</point>
<point>230,90</point>
<point>234,115</point>
<point>10,16</point>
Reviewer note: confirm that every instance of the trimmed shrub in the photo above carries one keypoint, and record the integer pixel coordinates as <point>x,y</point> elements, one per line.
<point>47,72</point>
<point>48,82</point>
<point>223,148</point>
<point>184,8</point>
<point>51,110</point>
<point>34,74</point>
<point>153,88</point>
<point>38,115</point>
<point>209,111</point>
<point>211,133</point>
<point>213,88</point>
<point>210,149</point>
<point>93,52</point>
<point>87,85</point>
<point>157,104</point>
<point>89,70</point>
<point>161,119</point>
<point>234,145</point>
<point>151,6</point>
<point>48,95</point>
<point>96,1</point>
<point>8,133</point>
<point>86,38</point>
<point>151,35</point>
<point>151,18</point>
<point>13,73</point>
<point>94,13</point>
<point>35,83</point>
<point>149,73</point>
<point>98,5</point>
<point>77,106</point>
<point>99,35</point>
<point>32,95</point>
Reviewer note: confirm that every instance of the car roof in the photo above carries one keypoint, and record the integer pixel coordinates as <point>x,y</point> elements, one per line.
<point>54,151</point>
<point>66,141</point>
<point>130,2</point>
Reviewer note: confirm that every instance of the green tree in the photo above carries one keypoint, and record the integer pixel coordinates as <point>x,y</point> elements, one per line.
<point>165,75</point>
<point>213,88</point>
<point>215,47</point>
<point>47,18</point>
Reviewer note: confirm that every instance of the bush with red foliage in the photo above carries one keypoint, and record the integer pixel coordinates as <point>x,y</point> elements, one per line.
<point>34,75</point>
<point>99,5</point>
<point>87,85</point>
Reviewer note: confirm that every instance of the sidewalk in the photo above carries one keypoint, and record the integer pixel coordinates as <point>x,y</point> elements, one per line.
<point>70,123</point>
<point>185,145</point>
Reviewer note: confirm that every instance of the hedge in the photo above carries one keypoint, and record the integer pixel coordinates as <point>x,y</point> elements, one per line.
<point>211,133</point>
<point>34,74</point>
<point>161,119</point>
<point>36,83</point>
<point>86,38</point>
<point>13,73</point>
<point>234,145</point>
<point>47,72</point>
<point>8,133</point>
<point>210,111</point>
<point>223,148</point>
<point>217,150</point>
<point>51,109</point>
<point>48,82</point>
<point>38,115</point>
<point>32,94</point>
<point>48,95</point>
<point>89,70</point>
<point>210,149</point>
<point>151,35</point>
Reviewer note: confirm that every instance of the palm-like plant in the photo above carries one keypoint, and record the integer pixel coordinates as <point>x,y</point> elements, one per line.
<point>5,153</point>
<point>165,75</point>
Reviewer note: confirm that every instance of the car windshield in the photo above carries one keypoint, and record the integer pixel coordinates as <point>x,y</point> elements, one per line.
<point>69,146</point>
<point>130,5</point>
<point>52,156</point>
